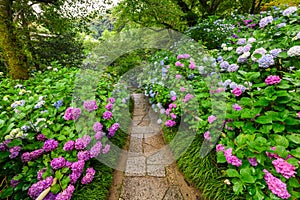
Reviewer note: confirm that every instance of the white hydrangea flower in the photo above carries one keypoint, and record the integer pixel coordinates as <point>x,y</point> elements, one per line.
<point>294,51</point>
<point>251,40</point>
<point>261,51</point>
<point>289,11</point>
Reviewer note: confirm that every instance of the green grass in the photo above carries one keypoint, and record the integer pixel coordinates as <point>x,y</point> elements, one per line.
<point>204,173</point>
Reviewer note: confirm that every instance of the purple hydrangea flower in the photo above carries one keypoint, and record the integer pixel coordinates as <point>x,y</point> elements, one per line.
<point>211,119</point>
<point>237,92</point>
<point>265,21</point>
<point>97,127</point>
<point>233,68</point>
<point>36,189</point>
<point>36,153</point>
<point>14,151</point>
<point>50,145</point>
<point>109,106</point>
<point>89,176</point>
<point>80,144</point>
<point>58,163</point>
<point>170,123</point>
<point>272,80</point>
<point>90,105</point>
<point>253,161</point>
<point>41,137</point>
<point>207,135</point>
<point>107,115</point>
<point>266,61</point>
<point>66,194</point>
<point>231,159</point>
<point>106,149</point>
<point>83,155</point>
<point>111,100</point>
<point>26,157</point>
<point>77,168</point>
<point>40,174</point>
<point>14,183</point>
<point>283,167</point>
<point>69,146</point>
<point>96,150</point>
<point>236,107</point>
<point>220,147</point>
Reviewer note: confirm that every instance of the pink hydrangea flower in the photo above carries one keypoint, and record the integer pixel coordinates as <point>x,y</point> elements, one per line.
<point>231,159</point>
<point>97,127</point>
<point>192,65</point>
<point>283,167</point>
<point>237,92</point>
<point>109,106</point>
<point>253,161</point>
<point>107,115</point>
<point>106,149</point>
<point>271,80</point>
<point>236,107</point>
<point>179,64</point>
<point>207,135</point>
<point>182,56</point>
<point>276,186</point>
<point>172,115</point>
<point>220,147</point>
<point>211,119</point>
<point>182,89</point>
<point>90,105</point>
<point>178,76</point>
<point>170,123</point>
<point>298,114</point>
<point>173,98</point>
<point>72,113</point>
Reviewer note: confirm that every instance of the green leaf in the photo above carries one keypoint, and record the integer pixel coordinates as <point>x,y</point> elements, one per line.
<point>220,157</point>
<point>65,182</point>
<point>294,138</point>
<point>246,175</point>
<point>293,161</point>
<point>6,192</point>
<point>263,120</point>
<point>15,142</point>
<point>281,140</point>
<point>281,151</point>
<point>293,182</point>
<point>296,152</point>
<point>237,186</point>
<point>278,128</point>
<point>61,138</point>
<point>55,189</point>
<point>232,173</point>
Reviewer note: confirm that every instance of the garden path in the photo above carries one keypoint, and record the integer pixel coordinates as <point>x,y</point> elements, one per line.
<point>150,173</point>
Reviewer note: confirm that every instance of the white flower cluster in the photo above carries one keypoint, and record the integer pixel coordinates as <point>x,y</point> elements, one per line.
<point>294,51</point>
<point>225,48</point>
<point>23,91</point>
<point>15,133</point>
<point>289,11</point>
<point>40,103</point>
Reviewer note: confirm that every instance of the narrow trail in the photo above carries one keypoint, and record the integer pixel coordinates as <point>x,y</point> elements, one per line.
<point>150,172</point>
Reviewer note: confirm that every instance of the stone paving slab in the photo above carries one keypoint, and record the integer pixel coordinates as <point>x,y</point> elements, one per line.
<point>136,166</point>
<point>163,157</point>
<point>156,170</point>
<point>136,144</point>
<point>142,130</point>
<point>144,188</point>
<point>173,193</point>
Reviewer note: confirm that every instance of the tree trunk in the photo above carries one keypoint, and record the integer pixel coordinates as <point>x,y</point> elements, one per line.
<point>11,46</point>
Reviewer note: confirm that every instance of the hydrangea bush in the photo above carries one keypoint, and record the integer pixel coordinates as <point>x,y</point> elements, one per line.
<point>40,145</point>
<point>260,70</point>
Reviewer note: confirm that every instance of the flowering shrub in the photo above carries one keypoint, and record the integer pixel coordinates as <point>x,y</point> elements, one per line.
<point>40,147</point>
<point>260,69</point>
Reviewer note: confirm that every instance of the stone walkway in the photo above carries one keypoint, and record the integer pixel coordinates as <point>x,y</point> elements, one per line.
<point>150,171</point>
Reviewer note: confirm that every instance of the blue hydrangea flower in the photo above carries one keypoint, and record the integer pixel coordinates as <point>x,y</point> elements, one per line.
<point>266,61</point>
<point>58,104</point>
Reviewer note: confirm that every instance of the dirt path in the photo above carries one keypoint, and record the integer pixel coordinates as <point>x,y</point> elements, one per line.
<point>150,171</point>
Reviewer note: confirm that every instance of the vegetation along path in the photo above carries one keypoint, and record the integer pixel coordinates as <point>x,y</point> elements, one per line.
<point>150,172</point>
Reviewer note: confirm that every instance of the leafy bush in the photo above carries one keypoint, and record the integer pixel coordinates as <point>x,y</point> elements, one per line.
<point>260,72</point>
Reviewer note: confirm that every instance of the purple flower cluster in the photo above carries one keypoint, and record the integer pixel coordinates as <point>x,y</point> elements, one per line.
<point>72,113</point>
<point>113,129</point>
<point>41,137</point>
<point>14,183</point>
<point>83,155</point>
<point>207,135</point>
<point>106,149</point>
<point>69,146</point>
<point>283,167</point>
<point>96,150</point>
<point>211,119</point>
<point>58,163</point>
<point>231,159</point>
<point>50,196</point>
<point>241,41</point>
<point>107,115</point>
<point>183,56</point>
<point>266,61</point>
<point>50,145</point>
<point>66,194</point>
<point>98,135</point>
<point>109,106</point>
<point>40,174</point>
<point>80,144</point>
<point>14,151</point>
<point>89,176</point>
<point>90,105</point>
<point>236,107</point>
<point>274,52</point>
<point>253,161</point>
<point>3,145</point>
<point>276,186</point>
<point>77,168</point>
<point>187,98</point>
<point>192,65</point>
<point>170,123</point>
<point>265,21</point>
<point>111,100</point>
<point>271,80</point>
<point>25,157</point>
<point>97,127</point>
<point>233,68</point>
<point>289,11</point>
<point>36,189</point>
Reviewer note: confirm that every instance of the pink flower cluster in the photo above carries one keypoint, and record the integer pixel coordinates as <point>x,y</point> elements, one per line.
<point>231,159</point>
<point>113,129</point>
<point>207,135</point>
<point>183,56</point>
<point>111,100</point>
<point>192,65</point>
<point>271,80</point>
<point>77,168</point>
<point>211,119</point>
<point>83,155</point>
<point>28,156</point>
<point>96,150</point>
<point>106,149</point>
<point>253,161</point>
<point>283,167</point>
<point>109,106</point>
<point>179,64</point>
<point>220,147</point>
<point>107,115</point>
<point>237,92</point>
<point>89,176</point>
<point>97,127</point>
<point>188,97</point>
<point>90,105</point>
<point>236,107</point>
<point>72,113</point>
<point>170,123</point>
<point>276,186</point>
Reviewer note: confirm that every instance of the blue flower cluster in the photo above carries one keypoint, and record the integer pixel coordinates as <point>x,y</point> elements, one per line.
<point>266,61</point>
